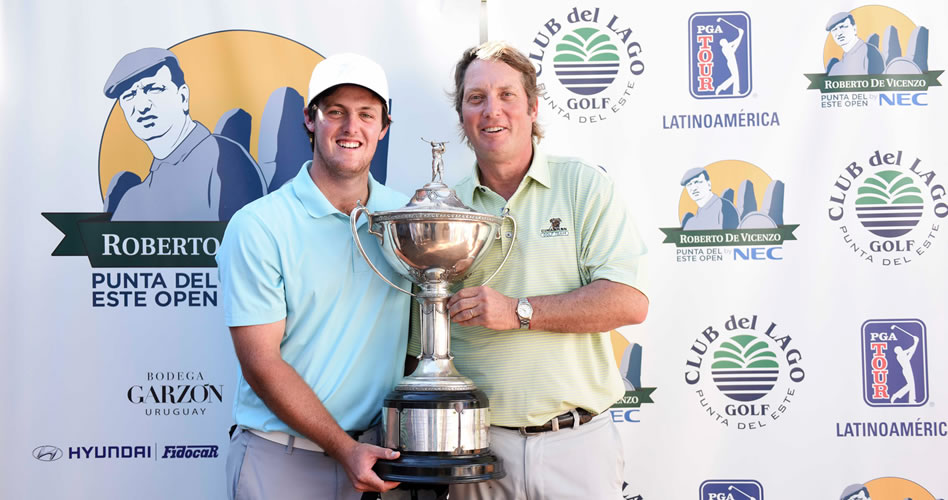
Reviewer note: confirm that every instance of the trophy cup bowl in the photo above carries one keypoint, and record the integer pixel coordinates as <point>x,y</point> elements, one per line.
<point>436,418</point>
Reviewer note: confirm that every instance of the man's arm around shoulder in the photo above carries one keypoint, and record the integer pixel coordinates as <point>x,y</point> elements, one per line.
<point>291,399</point>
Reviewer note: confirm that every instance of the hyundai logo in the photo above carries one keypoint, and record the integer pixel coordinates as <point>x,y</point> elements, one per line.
<point>47,453</point>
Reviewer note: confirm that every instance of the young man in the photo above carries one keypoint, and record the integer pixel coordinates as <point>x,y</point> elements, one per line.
<point>575,268</point>
<point>320,338</point>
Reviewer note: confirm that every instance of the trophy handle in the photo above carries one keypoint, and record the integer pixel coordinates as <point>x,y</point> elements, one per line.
<point>353,218</point>
<point>509,249</point>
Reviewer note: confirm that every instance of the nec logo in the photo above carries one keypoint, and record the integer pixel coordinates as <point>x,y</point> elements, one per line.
<point>903,99</point>
<point>47,453</point>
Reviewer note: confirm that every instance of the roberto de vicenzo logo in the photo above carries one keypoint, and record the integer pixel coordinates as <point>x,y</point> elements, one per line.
<point>745,372</point>
<point>587,63</point>
<point>888,207</point>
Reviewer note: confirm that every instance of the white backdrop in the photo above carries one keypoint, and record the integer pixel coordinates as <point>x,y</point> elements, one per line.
<point>68,367</point>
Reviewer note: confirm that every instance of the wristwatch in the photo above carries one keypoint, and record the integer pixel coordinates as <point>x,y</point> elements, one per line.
<point>524,313</point>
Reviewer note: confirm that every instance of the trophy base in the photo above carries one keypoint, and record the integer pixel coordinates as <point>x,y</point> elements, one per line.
<point>437,468</point>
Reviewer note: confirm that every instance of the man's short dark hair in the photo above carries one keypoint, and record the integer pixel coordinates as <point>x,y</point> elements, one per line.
<point>177,76</point>
<point>314,105</point>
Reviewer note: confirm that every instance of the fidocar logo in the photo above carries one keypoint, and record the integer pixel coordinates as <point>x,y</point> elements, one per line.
<point>894,362</point>
<point>720,55</point>
<point>886,487</point>
<point>744,377</point>
<point>195,132</point>
<point>893,214</point>
<point>731,489</point>
<point>595,62</point>
<point>730,210</point>
<point>874,55</point>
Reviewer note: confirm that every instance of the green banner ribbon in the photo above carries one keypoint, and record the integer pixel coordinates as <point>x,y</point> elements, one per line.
<point>136,244</point>
<point>874,83</point>
<point>729,237</point>
<point>636,398</point>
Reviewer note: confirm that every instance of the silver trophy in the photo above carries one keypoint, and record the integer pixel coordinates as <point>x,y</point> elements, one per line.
<point>436,417</point>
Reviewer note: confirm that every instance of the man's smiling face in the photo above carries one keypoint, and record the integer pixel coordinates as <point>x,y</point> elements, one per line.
<point>496,115</point>
<point>347,130</point>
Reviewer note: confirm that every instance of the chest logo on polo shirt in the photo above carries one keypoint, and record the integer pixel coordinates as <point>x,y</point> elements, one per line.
<point>556,229</point>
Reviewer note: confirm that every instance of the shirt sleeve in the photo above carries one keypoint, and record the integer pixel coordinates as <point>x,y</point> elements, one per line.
<point>250,273</point>
<point>611,247</point>
<point>414,330</point>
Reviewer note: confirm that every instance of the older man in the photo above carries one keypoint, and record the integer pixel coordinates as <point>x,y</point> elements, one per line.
<point>537,342</point>
<point>859,57</point>
<point>319,337</point>
<point>713,211</point>
<point>195,175</point>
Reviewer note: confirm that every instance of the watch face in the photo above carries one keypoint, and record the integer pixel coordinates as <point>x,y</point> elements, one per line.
<point>524,310</point>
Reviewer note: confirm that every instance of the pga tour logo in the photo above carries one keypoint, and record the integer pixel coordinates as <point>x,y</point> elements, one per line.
<point>720,55</point>
<point>720,489</point>
<point>895,362</point>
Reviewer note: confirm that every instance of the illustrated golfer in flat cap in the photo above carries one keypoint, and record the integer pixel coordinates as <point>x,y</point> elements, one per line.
<point>859,57</point>
<point>195,175</point>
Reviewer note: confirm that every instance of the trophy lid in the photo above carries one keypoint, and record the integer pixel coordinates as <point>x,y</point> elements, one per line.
<point>435,199</point>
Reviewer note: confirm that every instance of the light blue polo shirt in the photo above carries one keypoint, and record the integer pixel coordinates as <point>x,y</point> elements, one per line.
<point>291,255</point>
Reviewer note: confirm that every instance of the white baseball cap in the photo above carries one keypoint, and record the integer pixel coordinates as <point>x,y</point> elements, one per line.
<point>348,69</point>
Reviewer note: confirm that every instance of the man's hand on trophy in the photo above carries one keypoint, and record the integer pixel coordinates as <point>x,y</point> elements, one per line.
<point>484,306</point>
<point>359,462</point>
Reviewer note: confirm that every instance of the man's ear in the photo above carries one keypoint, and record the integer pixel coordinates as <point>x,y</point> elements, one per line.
<point>185,92</point>
<point>307,121</point>
<point>385,130</point>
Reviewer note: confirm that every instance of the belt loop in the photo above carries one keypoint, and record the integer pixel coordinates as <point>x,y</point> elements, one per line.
<point>289,444</point>
<point>575,415</point>
<point>555,423</point>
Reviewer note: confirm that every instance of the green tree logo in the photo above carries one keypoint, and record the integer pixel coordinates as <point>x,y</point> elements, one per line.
<point>744,368</point>
<point>586,61</point>
<point>889,204</point>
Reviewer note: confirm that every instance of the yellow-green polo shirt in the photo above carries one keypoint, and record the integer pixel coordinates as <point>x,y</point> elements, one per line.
<point>573,228</point>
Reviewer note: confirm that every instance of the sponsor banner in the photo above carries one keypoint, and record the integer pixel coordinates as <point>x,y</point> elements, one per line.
<point>628,409</point>
<point>888,206</point>
<point>895,362</point>
<point>730,210</point>
<point>48,453</point>
<point>886,487</point>
<point>587,60</point>
<point>730,489</point>
<point>874,56</point>
<point>720,55</point>
<point>137,244</point>
<point>745,372</point>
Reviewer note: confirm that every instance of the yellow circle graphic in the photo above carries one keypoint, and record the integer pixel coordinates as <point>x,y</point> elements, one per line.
<point>223,70</point>
<point>896,488</point>
<point>871,20</point>
<point>726,174</point>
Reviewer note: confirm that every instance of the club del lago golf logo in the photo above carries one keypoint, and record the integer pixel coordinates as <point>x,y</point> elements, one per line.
<point>587,63</point>
<point>745,371</point>
<point>729,210</point>
<point>888,206</point>
<point>874,56</point>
